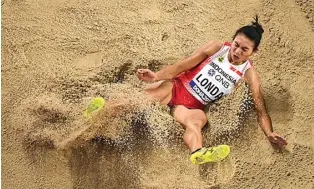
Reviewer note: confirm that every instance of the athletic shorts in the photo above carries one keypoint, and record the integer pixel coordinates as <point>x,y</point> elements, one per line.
<point>180,96</point>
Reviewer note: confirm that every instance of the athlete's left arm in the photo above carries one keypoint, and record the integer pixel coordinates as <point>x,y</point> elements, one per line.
<point>264,120</point>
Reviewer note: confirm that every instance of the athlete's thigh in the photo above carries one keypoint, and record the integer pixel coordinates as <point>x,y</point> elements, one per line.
<point>161,91</point>
<point>188,117</point>
<point>154,85</point>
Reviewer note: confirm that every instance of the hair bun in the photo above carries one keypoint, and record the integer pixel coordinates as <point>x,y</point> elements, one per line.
<point>257,26</point>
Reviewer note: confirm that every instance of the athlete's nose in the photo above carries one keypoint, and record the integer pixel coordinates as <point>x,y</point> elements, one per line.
<point>237,51</point>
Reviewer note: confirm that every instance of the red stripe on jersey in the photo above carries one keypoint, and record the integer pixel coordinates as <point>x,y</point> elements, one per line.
<point>227,43</point>
<point>236,71</point>
<point>250,62</point>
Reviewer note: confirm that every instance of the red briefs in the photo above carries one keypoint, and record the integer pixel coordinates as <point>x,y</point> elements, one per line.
<point>180,96</point>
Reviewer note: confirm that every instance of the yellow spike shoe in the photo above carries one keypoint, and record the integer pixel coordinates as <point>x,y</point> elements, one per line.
<point>212,154</point>
<point>94,106</point>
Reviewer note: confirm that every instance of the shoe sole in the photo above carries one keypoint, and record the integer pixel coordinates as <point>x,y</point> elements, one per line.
<point>210,155</point>
<point>94,106</point>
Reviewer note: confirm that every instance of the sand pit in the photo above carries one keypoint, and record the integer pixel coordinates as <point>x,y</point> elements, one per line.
<point>57,55</point>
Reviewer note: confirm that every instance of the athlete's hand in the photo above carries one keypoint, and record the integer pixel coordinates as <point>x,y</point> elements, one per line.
<point>276,140</point>
<point>146,75</point>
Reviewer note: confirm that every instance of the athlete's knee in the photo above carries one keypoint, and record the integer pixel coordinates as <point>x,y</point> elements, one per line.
<point>152,94</point>
<point>197,123</point>
<point>196,120</point>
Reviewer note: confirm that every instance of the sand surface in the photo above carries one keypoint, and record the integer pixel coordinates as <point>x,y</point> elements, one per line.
<point>57,55</point>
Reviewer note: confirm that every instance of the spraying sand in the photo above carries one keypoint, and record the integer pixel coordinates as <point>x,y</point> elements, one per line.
<point>57,55</point>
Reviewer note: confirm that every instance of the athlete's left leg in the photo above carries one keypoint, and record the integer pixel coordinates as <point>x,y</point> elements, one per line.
<point>161,91</point>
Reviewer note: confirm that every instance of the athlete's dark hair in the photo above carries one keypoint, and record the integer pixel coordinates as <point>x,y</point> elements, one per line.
<point>253,31</point>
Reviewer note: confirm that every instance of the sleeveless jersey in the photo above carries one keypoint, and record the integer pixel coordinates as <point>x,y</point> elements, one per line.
<point>214,77</point>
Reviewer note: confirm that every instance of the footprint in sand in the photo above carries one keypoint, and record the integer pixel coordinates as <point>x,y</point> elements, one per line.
<point>89,61</point>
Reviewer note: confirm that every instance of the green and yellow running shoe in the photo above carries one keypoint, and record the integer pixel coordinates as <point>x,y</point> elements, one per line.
<point>94,105</point>
<point>212,154</point>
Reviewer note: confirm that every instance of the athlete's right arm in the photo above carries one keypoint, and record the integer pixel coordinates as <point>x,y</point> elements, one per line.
<point>186,64</point>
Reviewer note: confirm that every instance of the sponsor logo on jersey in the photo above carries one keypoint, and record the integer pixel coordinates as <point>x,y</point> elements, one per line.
<point>211,72</point>
<point>199,92</point>
<point>220,59</point>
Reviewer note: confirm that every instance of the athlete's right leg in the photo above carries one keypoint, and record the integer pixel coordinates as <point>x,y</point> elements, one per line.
<point>192,120</point>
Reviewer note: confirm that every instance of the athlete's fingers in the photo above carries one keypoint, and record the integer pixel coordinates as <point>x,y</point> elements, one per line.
<point>144,71</point>
<point>138,72</point>
<point>141,71</point>
<point>281,141</point>
<point>139,75</point>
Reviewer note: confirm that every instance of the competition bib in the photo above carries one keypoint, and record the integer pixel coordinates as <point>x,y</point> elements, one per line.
<point>213,81</point>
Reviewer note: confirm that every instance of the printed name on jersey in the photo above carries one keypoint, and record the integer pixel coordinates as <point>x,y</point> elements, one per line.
<point>206,84</point>
<point>203,86</point>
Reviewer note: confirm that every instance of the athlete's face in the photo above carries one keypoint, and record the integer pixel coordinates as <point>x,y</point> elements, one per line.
<point>241,49</point>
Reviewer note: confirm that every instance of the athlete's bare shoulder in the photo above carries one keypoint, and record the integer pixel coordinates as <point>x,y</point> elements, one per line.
<point>251,77</point>
<point>210,48</point>
<point>251,73</point>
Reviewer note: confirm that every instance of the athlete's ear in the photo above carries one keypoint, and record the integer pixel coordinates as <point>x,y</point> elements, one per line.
<point>254,51</point>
